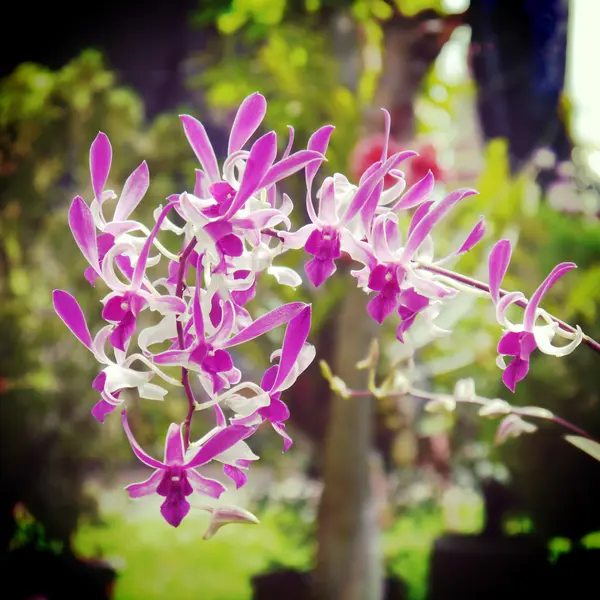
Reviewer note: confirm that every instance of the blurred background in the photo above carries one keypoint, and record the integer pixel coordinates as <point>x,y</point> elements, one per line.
<point>377,498</point>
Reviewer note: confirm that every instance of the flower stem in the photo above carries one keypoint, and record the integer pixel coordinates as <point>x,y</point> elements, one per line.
<point>478,285</point>
<point>478,401</point>
<point>185,376</point>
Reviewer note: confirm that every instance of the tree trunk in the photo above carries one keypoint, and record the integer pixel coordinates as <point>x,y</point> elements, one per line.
<point>349,560</point>
<point>349,564</point>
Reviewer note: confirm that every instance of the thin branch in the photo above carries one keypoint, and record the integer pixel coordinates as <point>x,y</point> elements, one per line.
<point>478,285</point>
<point>185,376</point>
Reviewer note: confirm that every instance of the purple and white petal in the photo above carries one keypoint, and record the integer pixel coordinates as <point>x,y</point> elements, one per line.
<point>134,190</point>
<point>174,446</point>
<point>198,139</point>
<point>497,266</point>
<point>275,318</point>
<point>137,449</point>
<point>247,120</point>
<point>100,159</point>
<point>534,302</point>
<point>145,488</point>
<point>220,442</point>
<point>83,228</point>
<point>68,309</point>
<point>205,485</point>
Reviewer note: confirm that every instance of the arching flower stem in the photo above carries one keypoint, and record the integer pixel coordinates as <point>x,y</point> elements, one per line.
<point>185,375</point>
<point>479,285</point>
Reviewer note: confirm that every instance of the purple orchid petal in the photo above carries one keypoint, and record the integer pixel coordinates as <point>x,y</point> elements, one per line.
<point>551,279</point>
<point>516,371</point>
<point>225,327</point>
<point>418,215</point>
<point>327,210</point>
<point>140,266</point>
<point>172,357</point>
<point>290,143</point>
<point>368,211</point>
<point>236,475</point>
<point>386,136</point>
<point>297,239</point>
<point>268,379</point>
<point>262,155</point>
<point>324,243</point>
<point>137,449</point>
<point>82,226</point>
<point>134,190</point>
<point>276,412</point>
<point>247,120</point>
<point>125,266</point>
<point>174,509</point>
<point>201,184</point>
<point>174,452</point>
<point>219,416</point>
<point>100,159</point>
<point>68,309</point>
<point>417,193</point>
<point>204,485</point>
<point>145,488</point>
<point>164,304</point>
<point>275,318</point>
<point>115,308</point>
<point>498,265</point>
<point>124,331</point>
<point>381,306</point>
<point>382,277</point>
<point>99,382</point>
<point>101,409</point>
<point>198,139</point>
<point>105,241</point>
<point>219,443</point>
<point>318,270</point>
<point>368,186</point>
<point>287,440</point>
<point>290,165</point>
<point>413,301</point>
<point>198,354</point>
<point>219,362</point>
<point>510,344</point>
<point>475,236</point>
<point>260,219</point>
<point>241,297</point>
<point>319,141</point>
<point>91,275</point>
<point>528,345</point>
<point>379,237</point>
<point>431,219</point>
<point>231,245</point>
<point>296,335</point>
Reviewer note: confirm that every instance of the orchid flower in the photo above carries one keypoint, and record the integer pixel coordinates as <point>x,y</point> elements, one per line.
<point>520,340</point>
<point>294,358</point>
<point>175,478</point>
<point>231,227</point>
<point>117,375</point>
<point>328,234</point>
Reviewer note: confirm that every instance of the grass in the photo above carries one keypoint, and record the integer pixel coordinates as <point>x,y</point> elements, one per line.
<point>156,561</point>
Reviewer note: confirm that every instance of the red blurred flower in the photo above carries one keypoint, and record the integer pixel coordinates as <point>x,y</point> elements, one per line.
<point>368,151</point>
<point>418,166</point>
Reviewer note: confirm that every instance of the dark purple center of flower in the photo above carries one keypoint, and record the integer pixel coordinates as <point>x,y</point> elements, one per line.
<point>324,243</point>
<point>174,487</point>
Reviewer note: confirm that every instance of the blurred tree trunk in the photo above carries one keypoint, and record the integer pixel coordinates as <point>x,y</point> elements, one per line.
<point>349,560</point>
<point>349,564</point>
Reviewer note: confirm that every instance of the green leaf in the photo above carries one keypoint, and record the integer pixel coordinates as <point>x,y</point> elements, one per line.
<point>588,446</point>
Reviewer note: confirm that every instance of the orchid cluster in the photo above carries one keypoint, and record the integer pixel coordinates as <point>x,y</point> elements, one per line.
<point>231,229</point>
